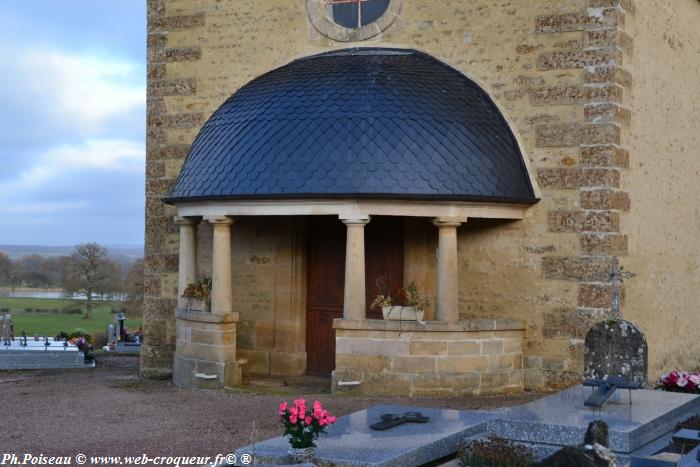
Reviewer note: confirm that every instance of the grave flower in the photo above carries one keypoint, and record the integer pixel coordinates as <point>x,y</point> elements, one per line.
<point>304,424</point>
<point>680,381</point>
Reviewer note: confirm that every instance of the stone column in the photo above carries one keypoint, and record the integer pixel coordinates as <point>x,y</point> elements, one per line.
<point>221,295</point>
<point>354,305</point>
<point>187,268</point>
<point>447,306</point>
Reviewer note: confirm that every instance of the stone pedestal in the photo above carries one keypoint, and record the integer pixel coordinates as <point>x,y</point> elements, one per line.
<point>205,352</point>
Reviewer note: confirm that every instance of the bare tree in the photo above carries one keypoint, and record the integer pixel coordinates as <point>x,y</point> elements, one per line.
<point>32,271</point>
<point>89,268</point>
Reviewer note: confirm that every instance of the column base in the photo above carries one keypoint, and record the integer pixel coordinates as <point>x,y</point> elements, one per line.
<point>205,350</point>
<point>191,373</point>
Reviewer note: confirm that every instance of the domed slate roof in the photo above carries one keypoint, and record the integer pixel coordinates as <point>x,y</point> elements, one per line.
<point>357,123</point>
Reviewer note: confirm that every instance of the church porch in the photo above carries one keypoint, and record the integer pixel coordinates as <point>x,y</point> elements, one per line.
<point>261,319</point>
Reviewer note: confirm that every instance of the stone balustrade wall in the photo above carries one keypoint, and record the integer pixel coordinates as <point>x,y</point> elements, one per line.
<point>429,359</point>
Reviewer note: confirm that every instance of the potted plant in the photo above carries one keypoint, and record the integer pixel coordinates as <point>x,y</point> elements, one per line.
<point>303,425</point>
<point>406,304</point>
<point>198,295</point>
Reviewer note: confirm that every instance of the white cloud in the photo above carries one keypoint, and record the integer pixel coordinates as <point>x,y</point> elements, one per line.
<point>83,90</point>
<point>42,207</point>
<point>110,155</point>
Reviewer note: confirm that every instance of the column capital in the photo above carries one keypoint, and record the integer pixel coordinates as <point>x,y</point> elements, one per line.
<point>359,220</point>
<point>227,220</point>
<point>448,221</point>
<point>181,220</point>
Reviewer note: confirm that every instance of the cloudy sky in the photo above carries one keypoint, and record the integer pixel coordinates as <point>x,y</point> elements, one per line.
<point>72,121</point>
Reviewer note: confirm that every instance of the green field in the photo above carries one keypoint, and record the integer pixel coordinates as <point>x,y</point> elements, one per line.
<point>50,324</point>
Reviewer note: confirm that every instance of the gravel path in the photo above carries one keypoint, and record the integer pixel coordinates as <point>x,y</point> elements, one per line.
<point>111,411</point>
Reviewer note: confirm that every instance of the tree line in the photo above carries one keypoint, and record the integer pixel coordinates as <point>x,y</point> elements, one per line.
<point>88,270</point>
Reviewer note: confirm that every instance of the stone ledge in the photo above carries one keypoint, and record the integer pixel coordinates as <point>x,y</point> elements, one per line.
<point>206,316</point>
<point>430,326</point>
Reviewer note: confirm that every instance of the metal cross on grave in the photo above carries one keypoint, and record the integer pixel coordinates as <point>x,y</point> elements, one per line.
<point>617,276</point>
<point>359,7</point>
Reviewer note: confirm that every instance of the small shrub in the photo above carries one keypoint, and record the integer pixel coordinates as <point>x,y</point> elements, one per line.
<point>100,340</point>
<point>71,311</point>
<point>54,311</point>
<point>495,452</point>
<point>29,310</point>
<point>79,332</point>
<point>63,335</point>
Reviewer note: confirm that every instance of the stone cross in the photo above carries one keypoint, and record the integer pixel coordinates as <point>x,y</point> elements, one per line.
<point>615,348</point>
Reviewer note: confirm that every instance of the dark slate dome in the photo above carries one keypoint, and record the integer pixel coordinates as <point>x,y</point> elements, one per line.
<point>357,123</point>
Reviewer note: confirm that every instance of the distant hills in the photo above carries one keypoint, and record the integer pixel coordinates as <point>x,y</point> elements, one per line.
<point>128,252</point>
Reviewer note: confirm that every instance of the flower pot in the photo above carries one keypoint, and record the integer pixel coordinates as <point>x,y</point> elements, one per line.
<point>301,455</point>
<point>402,313</point>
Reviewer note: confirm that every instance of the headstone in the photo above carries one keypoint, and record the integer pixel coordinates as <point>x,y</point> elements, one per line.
<point>111,336</point>
<point>617,349</point>
<point>119,320</point>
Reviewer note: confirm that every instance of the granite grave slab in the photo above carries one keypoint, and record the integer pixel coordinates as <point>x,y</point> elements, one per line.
<point>351,442</point>
<point>561,418</point>
<point>24,354</point>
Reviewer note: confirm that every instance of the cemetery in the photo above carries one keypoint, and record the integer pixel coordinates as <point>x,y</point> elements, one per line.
<point>639,424</point>
<point>22,352</point>
<point>37,352</point>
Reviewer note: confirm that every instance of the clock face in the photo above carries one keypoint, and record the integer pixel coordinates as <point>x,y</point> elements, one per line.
<point>352,20</point>
<point>357,13</point>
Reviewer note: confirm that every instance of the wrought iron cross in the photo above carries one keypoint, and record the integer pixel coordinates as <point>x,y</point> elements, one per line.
<point>618,275</point>
<point>359,7</point>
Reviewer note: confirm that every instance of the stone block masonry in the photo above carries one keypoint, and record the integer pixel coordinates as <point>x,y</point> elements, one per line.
<point>206,351</point>
<point>429,359</point>
<point>161,151</point>
<point>591,181</point>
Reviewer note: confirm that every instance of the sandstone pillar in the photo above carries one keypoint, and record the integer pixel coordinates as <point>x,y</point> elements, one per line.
<point>187,268</point>
<point>354,305</point>
<point>221,295</point>
<point>447,306</point>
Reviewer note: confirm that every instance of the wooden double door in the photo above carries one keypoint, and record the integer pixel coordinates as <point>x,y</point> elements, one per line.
<point>326,279</point>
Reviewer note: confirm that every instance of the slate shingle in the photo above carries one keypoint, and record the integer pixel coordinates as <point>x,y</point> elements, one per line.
<point>357,123</point>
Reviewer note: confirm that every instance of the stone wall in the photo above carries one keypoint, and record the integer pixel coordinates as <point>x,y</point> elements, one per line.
<point>663,224</point>
<point>562,71</point>
<point>428,359</point>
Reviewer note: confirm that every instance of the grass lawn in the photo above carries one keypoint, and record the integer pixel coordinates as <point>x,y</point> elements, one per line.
<point>50,324</point>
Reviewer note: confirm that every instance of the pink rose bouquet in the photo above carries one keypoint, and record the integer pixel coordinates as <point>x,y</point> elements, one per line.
<point>680,381</point>
<point>303,424</point>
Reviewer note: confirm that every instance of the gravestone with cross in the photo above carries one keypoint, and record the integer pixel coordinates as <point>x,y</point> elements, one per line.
<point>615,357</point>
